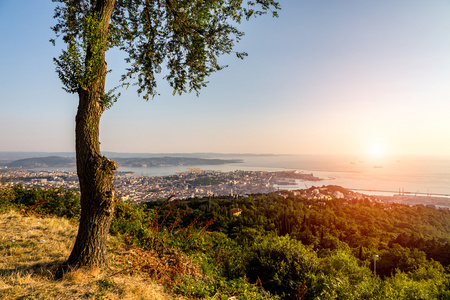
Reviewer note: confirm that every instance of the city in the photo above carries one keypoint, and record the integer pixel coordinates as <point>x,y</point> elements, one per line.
<point>197,183</point>
<point>193,183</point>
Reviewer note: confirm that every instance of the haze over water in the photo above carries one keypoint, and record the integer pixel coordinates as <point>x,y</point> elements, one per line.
<point>414,174</point>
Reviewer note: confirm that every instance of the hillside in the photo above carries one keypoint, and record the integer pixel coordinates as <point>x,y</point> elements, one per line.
<point>317,243</point>
<point>43,162</point>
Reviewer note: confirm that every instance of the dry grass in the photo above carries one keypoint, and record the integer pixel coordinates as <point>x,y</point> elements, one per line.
<point>32,247</point>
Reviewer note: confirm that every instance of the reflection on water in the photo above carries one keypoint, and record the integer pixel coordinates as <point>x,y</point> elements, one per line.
<point>411,174</point>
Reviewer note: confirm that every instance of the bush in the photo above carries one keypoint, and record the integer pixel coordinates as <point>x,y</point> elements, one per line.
<point>403,286</point>
<point>52,201</point>
<point>6,199</point>
<point>129,218</point>
<point>60,202</point>
<point>209,288</point>
<point>344,278</point>
<point>282,265</point>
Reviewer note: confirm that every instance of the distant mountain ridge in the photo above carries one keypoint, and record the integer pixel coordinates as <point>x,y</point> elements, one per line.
<point>70,162</point>
<point>43,162</point>
<point>172,161</point>
<point>12,156</point>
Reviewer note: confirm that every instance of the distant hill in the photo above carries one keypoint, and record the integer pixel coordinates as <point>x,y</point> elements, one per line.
<point>12,156</point>
<point>43,162</point>
<point>172,161</point>
<point>70,162</point>
<point>4,163</point>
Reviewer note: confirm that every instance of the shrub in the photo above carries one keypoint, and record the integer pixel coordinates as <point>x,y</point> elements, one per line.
<point>6,199</point>
<point>344,278</point>
<point>208,288</point>
<point>282,265</point>
<point>52,201</point>
<point>129,218</point>
<point>60,202</point>
<point>403,286</point>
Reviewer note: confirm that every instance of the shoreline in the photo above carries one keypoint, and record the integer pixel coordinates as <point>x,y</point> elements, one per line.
<point>203,183</point>
<point>420,177</point>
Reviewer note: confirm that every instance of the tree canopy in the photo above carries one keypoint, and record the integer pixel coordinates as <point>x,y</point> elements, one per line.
<point>184,37</point>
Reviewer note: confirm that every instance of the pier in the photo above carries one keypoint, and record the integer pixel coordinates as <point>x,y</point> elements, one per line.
<point>398,193</point>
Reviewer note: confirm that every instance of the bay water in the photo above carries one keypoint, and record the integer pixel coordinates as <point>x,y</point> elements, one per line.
<point>385,175</point>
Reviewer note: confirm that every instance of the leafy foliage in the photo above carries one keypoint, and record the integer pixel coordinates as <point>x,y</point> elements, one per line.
<point>281,264</point>
<point>78,66</point>
<point>54,201</point>
<point>342,236</point>
<point>185,37</point>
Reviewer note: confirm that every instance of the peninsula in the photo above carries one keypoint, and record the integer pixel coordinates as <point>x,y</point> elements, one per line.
<point>136,162</point>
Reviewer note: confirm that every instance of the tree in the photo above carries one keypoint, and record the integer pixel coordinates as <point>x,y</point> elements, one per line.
<point>184,36</point>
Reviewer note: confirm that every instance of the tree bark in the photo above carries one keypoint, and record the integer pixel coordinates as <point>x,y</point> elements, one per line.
<point>95,172</point>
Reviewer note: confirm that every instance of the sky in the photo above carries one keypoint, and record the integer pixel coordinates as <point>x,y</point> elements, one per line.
<point>326,77</point>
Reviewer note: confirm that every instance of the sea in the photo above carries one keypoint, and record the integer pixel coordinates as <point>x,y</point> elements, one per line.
<point>416,175</point>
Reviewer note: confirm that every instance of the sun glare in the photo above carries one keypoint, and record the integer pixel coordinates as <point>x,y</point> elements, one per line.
<point>377,149</point>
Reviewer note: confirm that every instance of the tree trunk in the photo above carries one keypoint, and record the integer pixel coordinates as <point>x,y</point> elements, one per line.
<point>95,172</point>
<point>96,175</point>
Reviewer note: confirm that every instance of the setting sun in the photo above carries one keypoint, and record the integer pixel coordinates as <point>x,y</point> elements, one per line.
<point>377,149</point>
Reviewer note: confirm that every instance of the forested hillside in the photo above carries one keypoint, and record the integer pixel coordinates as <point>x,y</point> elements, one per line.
<point>320,243</point>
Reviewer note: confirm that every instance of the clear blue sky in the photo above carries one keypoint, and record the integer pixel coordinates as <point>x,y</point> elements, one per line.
<point>327,77</point>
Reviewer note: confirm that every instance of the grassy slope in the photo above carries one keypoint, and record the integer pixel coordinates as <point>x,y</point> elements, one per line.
<point>31,247</point>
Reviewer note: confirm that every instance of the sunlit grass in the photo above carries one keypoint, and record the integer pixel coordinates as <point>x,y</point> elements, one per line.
<point>32,247</point>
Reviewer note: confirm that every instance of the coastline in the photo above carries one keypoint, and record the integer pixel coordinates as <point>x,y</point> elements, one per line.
<point>205,183</point>
<point>416,175</point>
